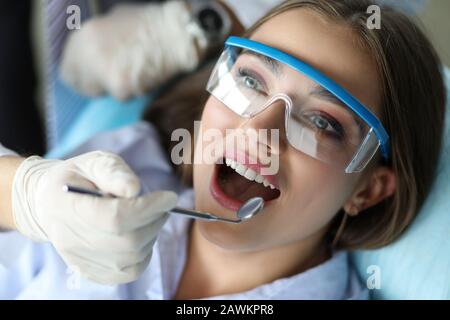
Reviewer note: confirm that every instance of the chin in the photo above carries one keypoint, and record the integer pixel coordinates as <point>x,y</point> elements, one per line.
<point>227,237</point>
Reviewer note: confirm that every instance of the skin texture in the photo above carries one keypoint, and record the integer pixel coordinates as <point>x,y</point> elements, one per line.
<point>290,231</point>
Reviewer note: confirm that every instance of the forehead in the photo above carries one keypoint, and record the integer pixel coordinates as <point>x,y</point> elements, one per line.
<point>331,48</point>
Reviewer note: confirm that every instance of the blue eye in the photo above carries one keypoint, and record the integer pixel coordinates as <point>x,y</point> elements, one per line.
<point>251,81</point>
<point>329,126</point>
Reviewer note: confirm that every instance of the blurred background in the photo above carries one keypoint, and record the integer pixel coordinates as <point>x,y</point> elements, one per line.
<point>436,18</point>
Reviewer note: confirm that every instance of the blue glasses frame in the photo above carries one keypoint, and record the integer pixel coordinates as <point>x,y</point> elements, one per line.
<point>304,68</point>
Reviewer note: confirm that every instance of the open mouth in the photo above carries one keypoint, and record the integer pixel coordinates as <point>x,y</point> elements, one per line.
<point>234,183</point>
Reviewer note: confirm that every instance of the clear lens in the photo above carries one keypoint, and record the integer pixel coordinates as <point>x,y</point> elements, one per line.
<point>317,123</point>
<point>234,89</point>
<point>365,153</point>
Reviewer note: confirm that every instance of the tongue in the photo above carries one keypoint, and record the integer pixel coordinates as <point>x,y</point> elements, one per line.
<point>242,189</point>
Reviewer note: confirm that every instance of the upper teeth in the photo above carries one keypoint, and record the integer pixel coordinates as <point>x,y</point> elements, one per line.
<point>248,173</point>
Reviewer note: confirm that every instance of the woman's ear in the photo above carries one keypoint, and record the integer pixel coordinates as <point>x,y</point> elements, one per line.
<point>374,188</point>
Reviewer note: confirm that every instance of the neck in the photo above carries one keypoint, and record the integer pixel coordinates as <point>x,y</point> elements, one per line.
<point>213,271</point>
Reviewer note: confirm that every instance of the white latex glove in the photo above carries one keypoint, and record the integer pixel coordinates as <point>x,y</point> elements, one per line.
<point>132,49</point>
<point>108,240</point>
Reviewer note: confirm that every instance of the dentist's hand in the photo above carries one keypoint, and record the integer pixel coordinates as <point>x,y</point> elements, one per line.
<point>108,240</point>
<point>132,49</point>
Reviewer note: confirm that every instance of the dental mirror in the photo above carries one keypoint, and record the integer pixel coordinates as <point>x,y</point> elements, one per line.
<point>247,211</point>
<point>250,209</point>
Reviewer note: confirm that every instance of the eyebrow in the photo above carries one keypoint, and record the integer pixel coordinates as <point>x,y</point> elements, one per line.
<point>273,65</point>
<point>323,94</point>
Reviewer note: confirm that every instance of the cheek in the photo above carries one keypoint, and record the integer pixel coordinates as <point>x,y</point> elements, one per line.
<point>314,194</point>
<point>216,115</point>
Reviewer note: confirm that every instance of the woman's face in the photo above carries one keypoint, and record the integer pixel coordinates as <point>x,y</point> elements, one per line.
<point>309,192</point>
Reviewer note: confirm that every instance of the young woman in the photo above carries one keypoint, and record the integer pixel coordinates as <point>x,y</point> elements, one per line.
<point>360,117</point>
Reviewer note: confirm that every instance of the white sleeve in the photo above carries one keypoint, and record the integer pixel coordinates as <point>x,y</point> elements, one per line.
<point>248,12</point>
<point>6,152</point>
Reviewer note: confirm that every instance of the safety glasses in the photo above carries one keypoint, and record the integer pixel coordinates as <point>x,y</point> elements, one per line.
<point>322,119</point>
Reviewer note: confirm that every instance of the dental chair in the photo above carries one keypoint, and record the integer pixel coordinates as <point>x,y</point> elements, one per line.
<point>416,266</point>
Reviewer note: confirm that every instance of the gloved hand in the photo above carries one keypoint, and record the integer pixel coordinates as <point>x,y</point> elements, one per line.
<point>132,49</point>
<point>108,240</point>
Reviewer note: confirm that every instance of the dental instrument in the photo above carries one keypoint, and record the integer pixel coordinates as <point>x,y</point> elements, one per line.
<point>247,211</point>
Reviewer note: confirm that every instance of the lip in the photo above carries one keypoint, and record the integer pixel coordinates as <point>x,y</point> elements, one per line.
<point>257,167</point>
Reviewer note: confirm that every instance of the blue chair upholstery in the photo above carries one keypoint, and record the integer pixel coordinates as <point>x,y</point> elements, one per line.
<point>98,115</point>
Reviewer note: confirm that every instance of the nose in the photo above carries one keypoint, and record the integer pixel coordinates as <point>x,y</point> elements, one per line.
<point>272,117</point>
